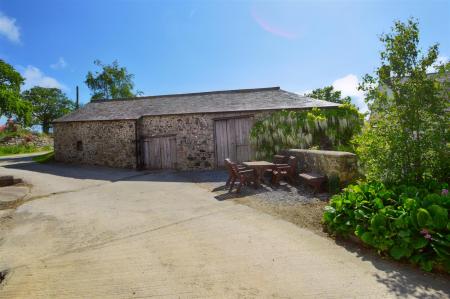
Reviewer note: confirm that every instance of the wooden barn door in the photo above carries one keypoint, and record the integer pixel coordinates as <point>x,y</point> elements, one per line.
<point>159,152</point>
<point>232,140</point>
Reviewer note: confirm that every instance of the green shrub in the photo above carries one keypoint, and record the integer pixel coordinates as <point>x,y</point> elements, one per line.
<point>22,149</point>
<point>406,222</point>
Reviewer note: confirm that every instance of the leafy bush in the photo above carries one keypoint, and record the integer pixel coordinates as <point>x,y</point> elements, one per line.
<point>22,149</point>
<point>405,222</point>
<point>17,132</point>
<point>407,138</point>
<point>324,129</point>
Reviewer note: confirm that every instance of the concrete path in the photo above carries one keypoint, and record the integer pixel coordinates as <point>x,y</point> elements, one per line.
<point>102,233</point>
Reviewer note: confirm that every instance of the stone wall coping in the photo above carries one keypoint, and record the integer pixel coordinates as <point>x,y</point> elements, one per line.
<point>322,152</point>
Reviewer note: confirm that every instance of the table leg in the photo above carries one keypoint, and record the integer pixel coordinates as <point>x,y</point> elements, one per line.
<point>258,177</point>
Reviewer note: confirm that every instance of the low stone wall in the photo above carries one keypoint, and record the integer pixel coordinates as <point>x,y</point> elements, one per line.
<point>37,141</point>
<point>329,163</point>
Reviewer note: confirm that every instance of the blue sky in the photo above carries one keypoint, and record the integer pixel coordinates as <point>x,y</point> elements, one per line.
<point>189,46</point>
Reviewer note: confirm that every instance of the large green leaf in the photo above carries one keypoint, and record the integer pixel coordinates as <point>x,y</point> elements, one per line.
<point>378,203</point>
<point>359,231</point>
<point>419,242</point>
<point>397,252</point>
<point>410,204</point>
<point>378,222</point>
<point>423,217</point>
<point>439,216</point>
<point>367,238</point>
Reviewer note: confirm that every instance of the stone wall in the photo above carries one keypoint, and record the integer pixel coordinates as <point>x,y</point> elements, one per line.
<point>37,141</point>
<point>194,135</point>
<point>108,143</point>
<point>342,164</point>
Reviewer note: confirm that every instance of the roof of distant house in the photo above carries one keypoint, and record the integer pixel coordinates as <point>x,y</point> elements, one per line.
<point>272,98</point>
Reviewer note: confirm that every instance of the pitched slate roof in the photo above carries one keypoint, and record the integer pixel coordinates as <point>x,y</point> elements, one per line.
<point>272,98</point>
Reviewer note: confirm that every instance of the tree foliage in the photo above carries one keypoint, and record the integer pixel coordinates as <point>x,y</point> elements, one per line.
<point>324,129</point>
<point>407,136</point>
<point>112,82</point>
<point>328,93</point>
<point>48,104</point>
<point>11,104</point>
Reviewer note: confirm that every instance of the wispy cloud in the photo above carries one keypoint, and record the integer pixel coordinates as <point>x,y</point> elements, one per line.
<point>9,29</point>
<point>348,85</point>
<point>60,64</point>
<point>35,77</point>
<point>265,25</point>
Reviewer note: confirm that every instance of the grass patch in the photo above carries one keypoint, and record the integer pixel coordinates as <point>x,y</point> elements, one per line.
<point>45,158</point>
<point>22,149</point>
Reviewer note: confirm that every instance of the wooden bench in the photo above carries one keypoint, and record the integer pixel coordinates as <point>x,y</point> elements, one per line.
<point>313,179</point>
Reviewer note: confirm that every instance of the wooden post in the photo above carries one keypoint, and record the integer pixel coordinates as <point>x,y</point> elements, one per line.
<point>77,103</point>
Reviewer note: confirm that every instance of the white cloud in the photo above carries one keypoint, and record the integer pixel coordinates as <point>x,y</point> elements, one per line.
<point>440,60</point>
<point>60,64</point>
<point>9,29</point>
<point>35,77</point>
<point>348,85</point>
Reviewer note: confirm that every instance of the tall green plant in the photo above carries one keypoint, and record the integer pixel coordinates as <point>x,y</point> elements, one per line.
<point>407,136</point>
<point>325,129</point>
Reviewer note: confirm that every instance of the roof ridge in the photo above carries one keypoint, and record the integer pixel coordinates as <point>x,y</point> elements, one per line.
<point>245,90</point>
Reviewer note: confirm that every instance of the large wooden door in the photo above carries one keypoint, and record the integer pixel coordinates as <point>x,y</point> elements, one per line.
<point>232,140</point>
<point>159,152</point>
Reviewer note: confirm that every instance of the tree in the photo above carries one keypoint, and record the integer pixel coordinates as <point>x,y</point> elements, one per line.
<point>329,94</point>
<point>48,104</point>
<point>111,83</point>
<point>11,104</point>
<point>407,136</point>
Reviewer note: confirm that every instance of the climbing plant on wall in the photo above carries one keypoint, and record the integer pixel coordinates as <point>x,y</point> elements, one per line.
<point>316,128</point>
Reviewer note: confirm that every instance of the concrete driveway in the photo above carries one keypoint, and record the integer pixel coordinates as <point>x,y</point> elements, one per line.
<point>90,232</point>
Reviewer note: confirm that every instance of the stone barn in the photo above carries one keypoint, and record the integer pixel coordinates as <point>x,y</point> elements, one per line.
<point>180,131</point>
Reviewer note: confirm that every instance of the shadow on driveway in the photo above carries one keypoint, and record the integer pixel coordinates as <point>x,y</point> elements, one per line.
<point>87,172</point>
<point>402,280</point>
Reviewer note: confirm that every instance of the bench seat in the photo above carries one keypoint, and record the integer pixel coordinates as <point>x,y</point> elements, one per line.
<point>313,179</point>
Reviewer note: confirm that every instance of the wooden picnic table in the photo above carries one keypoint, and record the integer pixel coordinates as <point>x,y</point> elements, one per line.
<point>260,167</point>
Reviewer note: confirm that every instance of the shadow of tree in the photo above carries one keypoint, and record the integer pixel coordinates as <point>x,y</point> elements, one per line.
<point>401,279</point>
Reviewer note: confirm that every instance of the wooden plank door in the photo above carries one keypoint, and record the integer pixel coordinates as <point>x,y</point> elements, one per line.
<point>242,137</point>
<point>168,153</point>
<point>232,140</point>
<point>159,153</point>
<point>221,142</point>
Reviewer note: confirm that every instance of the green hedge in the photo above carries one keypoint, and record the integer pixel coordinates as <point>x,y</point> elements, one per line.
<point>22,149</point>
<point>406,222</point>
